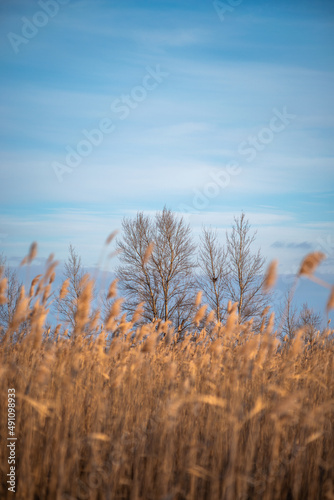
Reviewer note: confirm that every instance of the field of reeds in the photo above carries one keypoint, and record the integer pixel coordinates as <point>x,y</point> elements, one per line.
<point>223,413</point>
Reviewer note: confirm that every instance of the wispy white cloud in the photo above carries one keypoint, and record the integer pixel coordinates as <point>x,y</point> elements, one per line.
<point>224,81</point>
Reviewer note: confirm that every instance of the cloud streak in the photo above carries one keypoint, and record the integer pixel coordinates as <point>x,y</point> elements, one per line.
<point>225,80</point>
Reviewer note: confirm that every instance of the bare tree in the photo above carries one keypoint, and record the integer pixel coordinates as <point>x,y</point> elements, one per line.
<point>213,275</point>
<point>309,321</point>
<point>288,318</point>
<point>246,271</point>
<point>135,276</point>
<point>12,294</point>
<point>66,305</point>
<point>163,277</point>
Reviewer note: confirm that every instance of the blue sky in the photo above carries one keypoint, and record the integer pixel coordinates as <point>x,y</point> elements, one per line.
<point>245,97</point>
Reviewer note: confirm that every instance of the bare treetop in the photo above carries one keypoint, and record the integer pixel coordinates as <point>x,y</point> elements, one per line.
<point>246,270</point>
<point>165,282</point>
<point>213,276</point>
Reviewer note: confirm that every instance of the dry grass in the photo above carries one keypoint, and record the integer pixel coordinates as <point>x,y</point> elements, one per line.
<point>147,417</point>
